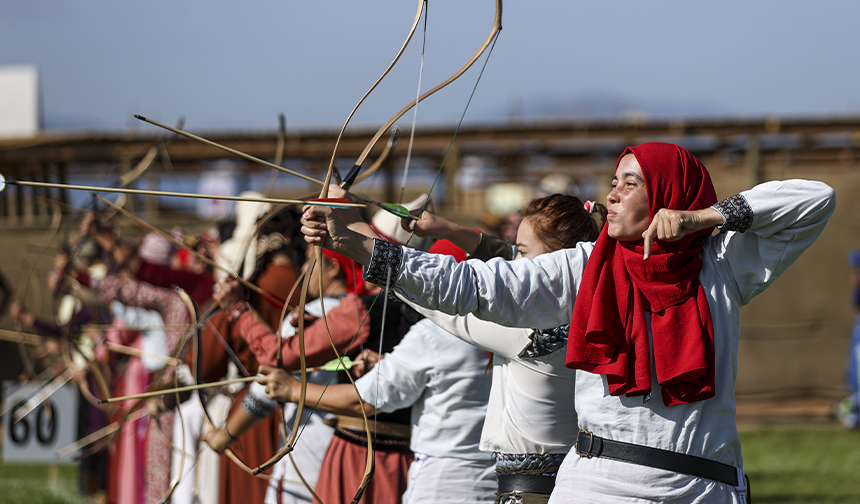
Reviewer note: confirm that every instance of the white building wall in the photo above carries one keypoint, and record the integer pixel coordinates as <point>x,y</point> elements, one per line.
<point>19,101</point>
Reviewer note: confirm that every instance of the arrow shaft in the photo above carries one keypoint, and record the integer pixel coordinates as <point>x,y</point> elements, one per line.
<point>121,190</point>
<point>230,150</point>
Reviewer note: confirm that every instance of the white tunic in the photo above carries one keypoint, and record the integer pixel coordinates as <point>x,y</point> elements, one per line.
<point>531,407</point>
<point>444,381</point>
<point>788,217</point>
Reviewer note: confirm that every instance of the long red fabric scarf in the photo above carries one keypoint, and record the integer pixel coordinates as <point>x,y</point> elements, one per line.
<point>608,331</point>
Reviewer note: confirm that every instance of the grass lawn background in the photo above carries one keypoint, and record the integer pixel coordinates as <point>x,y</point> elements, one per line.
<point>791,464</point>
<point>807,463</point>
<point>32,484</point>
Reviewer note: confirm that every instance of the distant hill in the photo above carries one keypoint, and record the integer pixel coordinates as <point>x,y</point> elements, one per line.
<point>601,105</point>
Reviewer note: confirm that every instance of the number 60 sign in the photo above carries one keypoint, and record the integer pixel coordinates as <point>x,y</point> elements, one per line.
<point>38,435</point>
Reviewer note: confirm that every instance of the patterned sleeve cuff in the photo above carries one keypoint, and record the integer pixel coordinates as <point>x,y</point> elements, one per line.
<point>257,403</point>
<point>385,255</point>
<point>736,212</point>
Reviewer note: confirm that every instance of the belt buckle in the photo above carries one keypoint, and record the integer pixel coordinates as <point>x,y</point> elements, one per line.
<point>587,452</point>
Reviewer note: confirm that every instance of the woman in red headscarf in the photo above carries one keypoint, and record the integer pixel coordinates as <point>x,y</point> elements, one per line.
<point>654,337</point>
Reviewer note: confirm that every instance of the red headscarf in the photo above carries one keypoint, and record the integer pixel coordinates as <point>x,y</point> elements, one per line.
<point>351,271</point>
<point>446,247</point>
<point>608,333</point>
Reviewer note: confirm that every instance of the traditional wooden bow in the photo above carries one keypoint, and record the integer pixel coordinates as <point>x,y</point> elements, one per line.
<point>353,175</point>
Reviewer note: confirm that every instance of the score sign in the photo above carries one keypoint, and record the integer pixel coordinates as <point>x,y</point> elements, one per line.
<point>48,428</point>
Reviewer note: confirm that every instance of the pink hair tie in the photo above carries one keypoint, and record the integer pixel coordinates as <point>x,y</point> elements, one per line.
<point>589,206</point>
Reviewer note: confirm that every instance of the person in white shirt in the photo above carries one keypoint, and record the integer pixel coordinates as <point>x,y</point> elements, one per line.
<point>445,382</point>
<point>531,420</point>
<point>655,334</point>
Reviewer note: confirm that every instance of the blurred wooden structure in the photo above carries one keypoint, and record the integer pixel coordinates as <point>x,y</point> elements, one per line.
<point>506,152</point>
<point>794,337</point>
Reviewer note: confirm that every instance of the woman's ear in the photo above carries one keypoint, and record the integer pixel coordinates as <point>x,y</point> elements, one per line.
<point>332,268</point>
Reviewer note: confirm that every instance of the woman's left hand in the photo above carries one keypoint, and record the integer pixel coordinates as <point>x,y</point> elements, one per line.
<point>323,226</point>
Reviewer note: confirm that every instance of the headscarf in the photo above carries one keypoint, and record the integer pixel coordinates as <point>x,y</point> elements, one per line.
<point>608,332</point>
<point>447,247</point>
<point>351,271</point>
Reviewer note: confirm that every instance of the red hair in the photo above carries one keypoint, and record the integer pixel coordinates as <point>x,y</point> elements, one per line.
<point>561,221</point>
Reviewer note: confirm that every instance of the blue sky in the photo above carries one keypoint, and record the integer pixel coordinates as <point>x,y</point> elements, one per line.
<point>238,64</point>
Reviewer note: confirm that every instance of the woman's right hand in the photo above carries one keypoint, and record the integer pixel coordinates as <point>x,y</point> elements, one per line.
<point>428,224</point>
<point>434,226</point>
<point>365,361</point>
<point>293,319</point>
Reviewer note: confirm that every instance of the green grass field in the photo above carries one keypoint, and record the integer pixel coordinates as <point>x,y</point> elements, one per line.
<point>788,464</point>
<point>814,464</point>
<point>32,484</point>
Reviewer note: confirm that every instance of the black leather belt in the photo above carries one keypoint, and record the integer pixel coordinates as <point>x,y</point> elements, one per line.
<point>531,483</point>
<point>380,442</point>
<point>589,445</point>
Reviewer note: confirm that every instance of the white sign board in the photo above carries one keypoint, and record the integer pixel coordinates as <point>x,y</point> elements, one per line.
<point>43,431</point>
<point>19,101</point>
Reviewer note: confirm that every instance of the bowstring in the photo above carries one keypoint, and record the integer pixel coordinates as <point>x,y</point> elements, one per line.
<point>406,171</point>
<point>415,113</point>
<point>457,130</point>
<point>424,206</point>
<point>354,337</point>
<point>381,336</point>
<point>400,201</point>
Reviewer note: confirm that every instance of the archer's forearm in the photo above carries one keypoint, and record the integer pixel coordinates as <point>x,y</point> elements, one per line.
<point>364,228</point>
<point>340,399</point>
<point>466,238</point>
<point>357,247</point>
<point>239,422</point>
